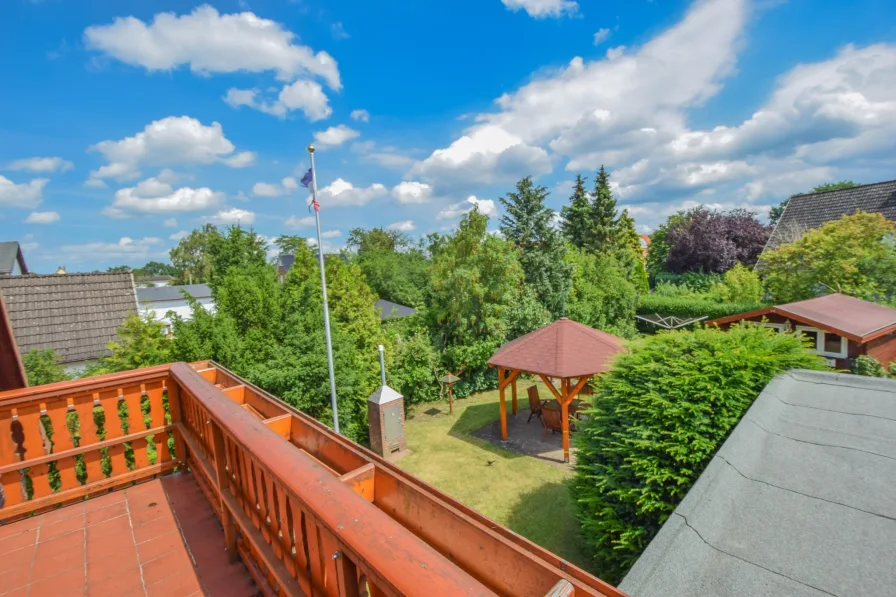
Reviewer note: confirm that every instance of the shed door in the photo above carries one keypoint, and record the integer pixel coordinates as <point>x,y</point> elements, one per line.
<point>392,415</point>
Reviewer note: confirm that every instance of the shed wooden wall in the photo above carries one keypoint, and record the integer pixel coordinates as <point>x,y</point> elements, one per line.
<point>883,349</point>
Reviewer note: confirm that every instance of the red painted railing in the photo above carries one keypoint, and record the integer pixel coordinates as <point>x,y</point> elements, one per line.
<point>308,511</point>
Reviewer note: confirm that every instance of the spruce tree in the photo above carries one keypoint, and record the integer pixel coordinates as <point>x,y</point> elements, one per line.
<point>527,225</point>
<point>576,224</point>
<point>603,213</point>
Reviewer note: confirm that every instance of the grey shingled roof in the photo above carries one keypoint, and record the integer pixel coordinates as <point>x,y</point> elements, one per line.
<point>389,310</point>
<point>799,501</point>
<point>10,253</point>
<point>74,314</point>
<point>172,293</point>
<point>805,212</point>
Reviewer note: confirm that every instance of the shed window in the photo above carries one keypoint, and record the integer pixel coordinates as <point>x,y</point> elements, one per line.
<point>828,344</point>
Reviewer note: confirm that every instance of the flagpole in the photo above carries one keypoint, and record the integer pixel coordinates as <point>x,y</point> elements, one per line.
<point>323,285</point>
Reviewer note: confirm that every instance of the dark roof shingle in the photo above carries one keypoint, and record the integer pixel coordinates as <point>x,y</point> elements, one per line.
<point>798,501</point>
<point>73,314</point>
<point>389,310</point>
<point>806,212</point>
<point>172,293</point>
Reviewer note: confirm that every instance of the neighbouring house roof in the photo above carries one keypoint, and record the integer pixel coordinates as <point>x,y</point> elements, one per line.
<point>798,501</point>
<point>10,254</point>
<point>159,278</point>
<point>561,349</point>
<point>172,293</point>
<point>12,371</point>
<point>805,212</point>
<point>74,314</point>
<point>389,310</point>
<point>858,320</point>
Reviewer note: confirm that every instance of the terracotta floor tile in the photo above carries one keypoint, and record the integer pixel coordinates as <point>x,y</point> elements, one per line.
<point>109,512</point>
<point>15,577</point>
<point>20,558</point>
<point>162,545</point>
<point>14,528</point>
<point>153,529</point>
<point>178,585</point>
<point>60,514</point>
<point>61,527</point>
<point>100,548</point>
<point>18,541</point>
<point>110,528</point>
<point>127,582</point>
<point>104,501</point>
<point>58,555</point>
<point>113,565</point>
<point>165,566</point>
<point>66,584</point>
<point>21,592</point>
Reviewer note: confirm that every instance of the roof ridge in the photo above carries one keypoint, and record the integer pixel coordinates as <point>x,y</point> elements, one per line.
<point>858,186</point>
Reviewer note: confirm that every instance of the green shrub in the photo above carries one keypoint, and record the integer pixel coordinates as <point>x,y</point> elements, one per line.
<point>869,367</point>
<point>740,285</point>
<point>42,367</point>
<point>660,415</point>
<point>696,281</point>
<point>685,307</point>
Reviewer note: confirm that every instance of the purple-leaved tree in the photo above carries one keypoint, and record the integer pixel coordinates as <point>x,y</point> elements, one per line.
<point>714,242</point>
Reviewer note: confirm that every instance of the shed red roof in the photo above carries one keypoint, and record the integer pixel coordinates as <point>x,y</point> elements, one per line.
<point>564,348</point>
<point>848,316</point>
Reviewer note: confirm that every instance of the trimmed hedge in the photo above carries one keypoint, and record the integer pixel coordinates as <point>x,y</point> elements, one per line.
<point>696,281</point>
<point>687,308</point>
<point>659,417</point>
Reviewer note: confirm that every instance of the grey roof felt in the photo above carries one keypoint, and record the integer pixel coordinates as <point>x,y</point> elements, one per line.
<point>805,212</point>
<point>389,310</point>
<point>74,314</point>
<point>172,293</point>
<point>799,501</point>
<point>10,253</point>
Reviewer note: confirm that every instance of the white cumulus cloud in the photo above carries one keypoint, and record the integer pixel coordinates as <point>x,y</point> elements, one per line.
<point>26,195</point>
<point>209,42</point>
<point>541,9</point>
<point>125,248</point>
<point>341,193</point>
<point>360,115</point>
<point>411,192</point>
<point>404,226</point>
<point>335,136</point>
<point>601,36</point>
<point>40,165</point>
<point>330,233</point>
<point>175,140</point>
<point>233,215</point>
<point>153,196</point>
<point>296,222</point>
<point>170,223</point>
<point>307,96</point>
<point>269,189</point>
<point>484,206</point>
<point>42,217</point>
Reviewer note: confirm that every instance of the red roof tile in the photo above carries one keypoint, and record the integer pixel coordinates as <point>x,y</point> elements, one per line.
<point>564,348</point>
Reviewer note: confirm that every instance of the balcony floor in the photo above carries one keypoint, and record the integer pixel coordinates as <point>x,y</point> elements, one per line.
<point>156,538</point>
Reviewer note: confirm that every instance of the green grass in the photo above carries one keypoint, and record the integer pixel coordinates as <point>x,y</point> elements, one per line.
<point>524,494</point>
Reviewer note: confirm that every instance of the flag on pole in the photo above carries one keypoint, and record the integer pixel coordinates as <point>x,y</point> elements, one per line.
<point>306,180</point>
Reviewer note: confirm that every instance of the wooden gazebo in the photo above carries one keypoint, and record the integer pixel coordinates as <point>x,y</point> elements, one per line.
<point>564,350</point>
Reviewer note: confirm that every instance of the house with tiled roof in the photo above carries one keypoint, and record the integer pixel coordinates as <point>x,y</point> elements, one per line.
<point>12,261</point>
<point>76,315</point>
<point>810,211</point>
<point>840,327</point>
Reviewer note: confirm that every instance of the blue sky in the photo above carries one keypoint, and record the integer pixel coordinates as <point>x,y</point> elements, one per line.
<point>125,124</point>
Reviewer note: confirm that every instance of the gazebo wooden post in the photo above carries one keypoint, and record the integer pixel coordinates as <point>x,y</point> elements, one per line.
<point>564,415</point>
<point>503,405</point>
<point>513,395</point>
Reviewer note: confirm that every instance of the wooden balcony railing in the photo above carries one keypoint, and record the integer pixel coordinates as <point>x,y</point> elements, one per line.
<point>308,511</point>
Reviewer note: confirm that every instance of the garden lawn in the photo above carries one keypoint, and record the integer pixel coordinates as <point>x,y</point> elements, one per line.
<point>523,493</point>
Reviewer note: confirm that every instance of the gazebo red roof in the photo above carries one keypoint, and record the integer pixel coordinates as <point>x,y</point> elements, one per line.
<point>562,349</point>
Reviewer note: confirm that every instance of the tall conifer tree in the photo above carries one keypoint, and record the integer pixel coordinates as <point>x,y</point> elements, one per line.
<point>576,224</point>
<point>603,212</point>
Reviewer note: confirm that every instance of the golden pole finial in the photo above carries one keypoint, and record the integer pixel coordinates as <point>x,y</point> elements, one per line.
<point>311,149</point>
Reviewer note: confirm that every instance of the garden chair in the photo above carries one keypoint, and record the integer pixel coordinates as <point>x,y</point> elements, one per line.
<point>551,419</point>
<point>536,404</point>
